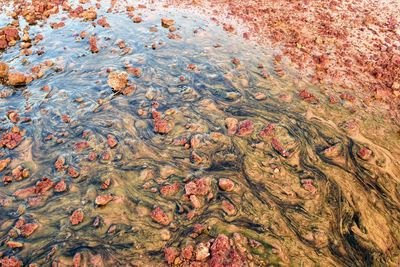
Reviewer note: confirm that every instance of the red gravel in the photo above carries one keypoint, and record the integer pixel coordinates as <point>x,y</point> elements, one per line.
<point>354,44</point>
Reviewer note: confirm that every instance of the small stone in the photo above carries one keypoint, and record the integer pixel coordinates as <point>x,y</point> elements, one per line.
<point>103,199</point>
<point>226,184</point>
<point>117,80</point>
<point>159,216</point>
<point>16,78</point>
<point>165,22</point>
<point>3,69</point>
<point>76,217</point>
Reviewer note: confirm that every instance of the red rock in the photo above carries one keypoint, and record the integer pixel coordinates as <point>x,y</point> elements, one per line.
<point>44,185</point>
<point>106,184</point>
<point>307,96</point>
<point>35,201</point>
<point>4,163</point>
<point>103,22</point>
<point>57,25</point>
<point>278,147</point>
<point>117,80</point>
<point>159,216</point>
<point>235,61</point>
<point>137,72</point>
<point>167,22</point>
<point>228,27</point>
<point>170,190</point>
<point>246,127</point>
<point>11,139</point>
<point>16,78</point>
<point>14,244</point>
<point>232,125</point>
<point>3,69</point>
<point>308,185</point>
<point>348,97</point>
<point>61,186</point>
<point>170,254</point>
<point>192,67</point>
<point>111,141</point>
<point>76,261</point>
<point>76,217</point>
<point>93,44</point>
<point>228,207</point>
<point>162,126</point>
<point>13,116</point>
<point>137,19</point>
<point>65,118</point>
<point>92,156</point>
<point>81,146</point>
<point>25,192</point>
<point>103,199</point>
<point>199,187</point>
<point>10,262</point>
<point>28,229</point>
<point>364,153</point>
<point>269,130</point>
<point>59,164</point>
<point>89,15</point>
<point>202,252</point>
<point>226,184</point>
<point>187,252</point>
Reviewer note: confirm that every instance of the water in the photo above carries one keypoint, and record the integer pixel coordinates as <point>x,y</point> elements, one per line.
<point>299,205</point>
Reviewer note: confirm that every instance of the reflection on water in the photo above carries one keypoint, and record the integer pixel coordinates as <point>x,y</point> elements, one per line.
<point>209,143</point>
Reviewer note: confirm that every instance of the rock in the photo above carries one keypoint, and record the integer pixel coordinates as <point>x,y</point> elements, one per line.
<point>278,147</point>
<point>199,187</point>
<point>16,78</point>
<point>28,229</point>
<point>228,208</point>
<point>3,69</point>
<point>159,216</point>
<point>14,244</point>
<point>74,173</point>
<point>103,22</point>
<point>93,44</point>
<point>44,185</point>
<point>195,201</point>
<point>167,22</point>
<point>76,217</point>
<point>202,252</point>
<point>364,153</point>
<point>232,125</point>
<point>61,186</point>
<point>117,80</point>
<point>163,126</point>
<point>246,127</point>
<point>226,184</point>
<point>10,262</point>
<point>103,199</point>
<point>170,254</point>
<point>4,163</point>
<point>170,190</point>
<point>90,14</point>
<point>137,19</point>
<point>111,141</point>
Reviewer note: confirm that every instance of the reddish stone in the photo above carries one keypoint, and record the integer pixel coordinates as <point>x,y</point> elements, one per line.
<point>59,164</point>
<point>111,141</point>
<point>93,44</point>
<point>308,185</point>
<point>220,246</point>
<point>103,199</point>
<point>348,97</point>
<point>246,127</point>
<point>192,67</point>
<point>307,96</point>
<point>74,173</point>
<point>199,187</point>
<point>10,262</point>
<point>364,153</point>
<point>92,156</point>
<point>44,185</point>
<point>61,186</point>
<point>103,22</point>
<point>3,68</point>
<point>226,184</point>
<point>76,217</point>
<point>106,184</point>
<point>170,254</point>
<point>159,216</point>
<point>162,126</point>
<point>11,139</point>
<point>4,163</point>
<point>278,147</point>
<point>76,261</point>
<point>137,19</point>
<point>187,252</point>
<point>16,78</point>
<point>137,72</point>
<point>28,229</point>
<point>170,190</point>
<point>269,130</point>
<point>25,192</point>
<point>228,208</point>
<point>81,146</point>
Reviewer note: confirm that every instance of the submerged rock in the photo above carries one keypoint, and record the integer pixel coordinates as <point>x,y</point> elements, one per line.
<point>118,80</point>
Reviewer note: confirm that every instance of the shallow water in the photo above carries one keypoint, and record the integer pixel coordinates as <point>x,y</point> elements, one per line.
<point>305,205</point>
